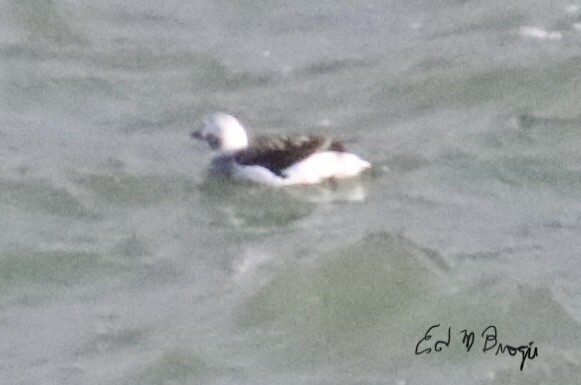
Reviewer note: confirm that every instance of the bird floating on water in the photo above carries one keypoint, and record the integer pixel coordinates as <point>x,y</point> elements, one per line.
<point>276,161</point>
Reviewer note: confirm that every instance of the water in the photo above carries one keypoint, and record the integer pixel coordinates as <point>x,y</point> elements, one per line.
<point>121,262</point>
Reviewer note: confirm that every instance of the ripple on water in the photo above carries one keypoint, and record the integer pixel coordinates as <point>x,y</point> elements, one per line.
<point>134,190</point>
<point>340,310</point>
<point>33,273</point>
<point>45,20</point>
<point>40,196</point>
<point>179,366</point>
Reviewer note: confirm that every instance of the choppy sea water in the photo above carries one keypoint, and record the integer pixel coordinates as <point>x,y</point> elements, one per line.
<point>122,262</point>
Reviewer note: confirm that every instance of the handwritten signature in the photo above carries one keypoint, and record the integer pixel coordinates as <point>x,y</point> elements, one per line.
<point>489,335</point>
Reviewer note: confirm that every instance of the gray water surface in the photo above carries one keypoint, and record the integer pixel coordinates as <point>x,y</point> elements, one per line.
<point>123,262</point>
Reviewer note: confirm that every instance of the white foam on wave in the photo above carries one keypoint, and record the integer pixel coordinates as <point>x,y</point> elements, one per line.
<point>248,266</point>
<point>539,33</point>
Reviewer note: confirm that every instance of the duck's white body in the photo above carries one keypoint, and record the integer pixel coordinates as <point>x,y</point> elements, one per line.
<point>278,161</point>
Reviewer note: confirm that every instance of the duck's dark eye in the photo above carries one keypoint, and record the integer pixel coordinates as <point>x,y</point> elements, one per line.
<point>197,135</point>
<point>214,142</point>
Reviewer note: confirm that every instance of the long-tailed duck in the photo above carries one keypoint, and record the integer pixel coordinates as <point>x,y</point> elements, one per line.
<point>278,161</point>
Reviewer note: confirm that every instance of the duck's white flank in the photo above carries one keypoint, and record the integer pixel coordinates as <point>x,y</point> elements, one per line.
<point>276,161</point>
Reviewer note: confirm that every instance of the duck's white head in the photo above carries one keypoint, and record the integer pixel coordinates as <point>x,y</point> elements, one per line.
<point>223,132</point>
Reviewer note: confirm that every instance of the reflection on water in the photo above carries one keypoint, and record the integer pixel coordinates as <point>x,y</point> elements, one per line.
<point>242,204</point>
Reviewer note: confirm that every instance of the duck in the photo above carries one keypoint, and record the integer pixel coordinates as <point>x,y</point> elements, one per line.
<point>276,161</point>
